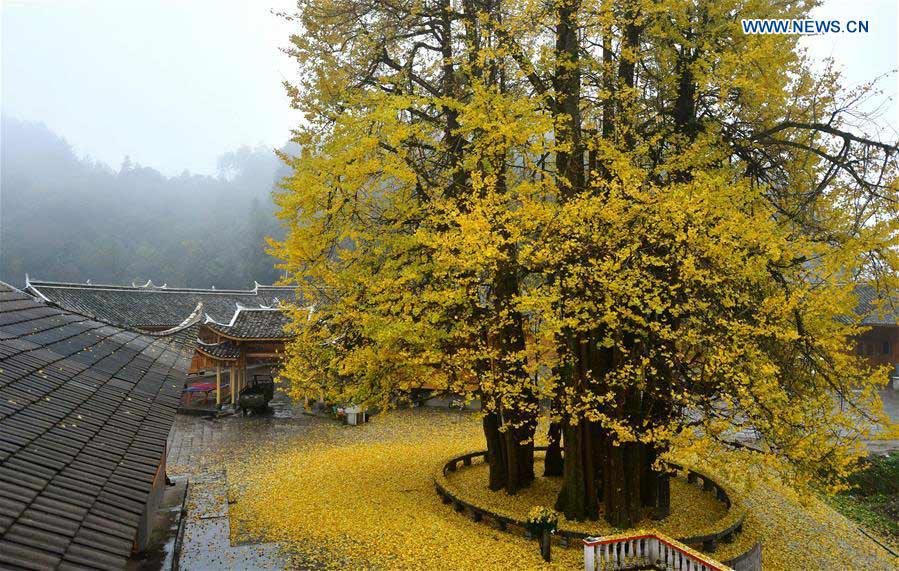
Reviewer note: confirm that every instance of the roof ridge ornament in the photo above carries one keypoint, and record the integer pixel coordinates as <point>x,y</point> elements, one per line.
<point>194,317</point>
<point>40,296</point>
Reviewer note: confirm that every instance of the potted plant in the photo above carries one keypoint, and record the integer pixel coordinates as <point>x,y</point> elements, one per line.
<point>542,523</point>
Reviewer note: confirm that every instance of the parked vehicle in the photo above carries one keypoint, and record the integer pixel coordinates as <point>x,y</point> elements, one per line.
<point>256,396</point>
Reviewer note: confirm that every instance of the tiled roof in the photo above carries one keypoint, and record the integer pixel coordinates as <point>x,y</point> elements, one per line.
<point>150,306</point>
<point>874,308</point>
<point>226,350</point>
<point>85,410</point>
<point>253,323</point>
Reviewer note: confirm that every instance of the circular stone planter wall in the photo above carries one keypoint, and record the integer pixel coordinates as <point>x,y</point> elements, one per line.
<point>722,530</point>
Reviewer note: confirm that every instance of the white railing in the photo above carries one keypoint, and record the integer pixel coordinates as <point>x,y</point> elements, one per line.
<point>644,550</point>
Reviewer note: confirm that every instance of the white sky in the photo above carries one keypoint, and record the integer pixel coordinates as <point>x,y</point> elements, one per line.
<point>863,57</point>
<point>173,84</point>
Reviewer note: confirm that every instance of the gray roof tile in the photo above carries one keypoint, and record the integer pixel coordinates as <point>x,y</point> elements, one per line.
<point>150,306</point>
<point>85,409</point>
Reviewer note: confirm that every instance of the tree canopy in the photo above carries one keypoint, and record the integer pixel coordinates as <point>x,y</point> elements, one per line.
<point>627,215</point>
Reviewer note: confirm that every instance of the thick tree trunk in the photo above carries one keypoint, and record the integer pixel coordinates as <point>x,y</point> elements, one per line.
<point>520,422</point>
<point>510,451</point>
<point>614,502</point>
<point>622,485</point>
<point>513,458</point>
<point>526,452</point>
<point>496,460</point>
<point>649,478</point>
<point>572,496</point>
<point>552,462</point>
<point>663,505</point>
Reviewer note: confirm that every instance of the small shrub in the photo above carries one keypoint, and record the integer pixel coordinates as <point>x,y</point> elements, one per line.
<point>879,475</point>
<point>542,518</point>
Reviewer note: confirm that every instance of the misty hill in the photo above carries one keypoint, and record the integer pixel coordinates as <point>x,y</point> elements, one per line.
<point>70,219</point>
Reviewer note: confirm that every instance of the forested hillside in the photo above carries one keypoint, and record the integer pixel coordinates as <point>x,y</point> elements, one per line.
<point>67,218</point>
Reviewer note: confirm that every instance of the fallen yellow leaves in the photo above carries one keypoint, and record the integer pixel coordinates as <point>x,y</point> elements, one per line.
<point>363,497</point>
<point>693,512</point>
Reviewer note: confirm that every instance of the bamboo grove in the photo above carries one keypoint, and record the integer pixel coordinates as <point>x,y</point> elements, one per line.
<point>628,217</point>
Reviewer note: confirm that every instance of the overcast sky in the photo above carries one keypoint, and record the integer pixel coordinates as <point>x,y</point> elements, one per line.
<point>175,83</point>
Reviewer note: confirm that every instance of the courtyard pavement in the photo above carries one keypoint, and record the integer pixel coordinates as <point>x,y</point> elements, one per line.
<point>890,399</point>
<point>195,445</point>
<point>196,448</point>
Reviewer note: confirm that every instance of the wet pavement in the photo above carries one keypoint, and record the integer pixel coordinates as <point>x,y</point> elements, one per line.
<point>196,448</point>
<point>160,552</point>
<point>890,398</point>
<point>205,545</point>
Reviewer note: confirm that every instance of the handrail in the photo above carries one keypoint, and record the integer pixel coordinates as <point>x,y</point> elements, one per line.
<point>645,550</point>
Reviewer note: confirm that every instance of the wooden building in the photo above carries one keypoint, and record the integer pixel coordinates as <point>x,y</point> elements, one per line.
<point>252,339</point>
<point>229,331</point>
<point>879,345</point>
<point>153,308</point>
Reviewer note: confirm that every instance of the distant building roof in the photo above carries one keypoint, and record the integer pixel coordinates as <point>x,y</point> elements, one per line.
<point>224,351</point>
<point>85,411</point>
<point>875,308</point>
<point>253,323</point>
<point>151,306</point>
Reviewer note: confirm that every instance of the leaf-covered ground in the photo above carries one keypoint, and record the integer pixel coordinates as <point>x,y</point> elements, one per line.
<point>692,509</point>
<point>337,496</point>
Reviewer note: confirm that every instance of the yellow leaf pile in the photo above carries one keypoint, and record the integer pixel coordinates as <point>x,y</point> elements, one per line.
<point>363,497</point>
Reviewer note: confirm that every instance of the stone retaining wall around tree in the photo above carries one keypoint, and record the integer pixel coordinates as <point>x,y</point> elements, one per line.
<point>749,561</point>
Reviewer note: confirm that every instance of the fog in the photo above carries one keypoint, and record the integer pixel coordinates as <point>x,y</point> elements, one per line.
<point>67,218</point>
<point>172,84</point>
<point>181,88</point>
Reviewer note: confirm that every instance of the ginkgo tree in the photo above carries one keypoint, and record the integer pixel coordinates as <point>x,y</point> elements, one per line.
<point>628,216</point>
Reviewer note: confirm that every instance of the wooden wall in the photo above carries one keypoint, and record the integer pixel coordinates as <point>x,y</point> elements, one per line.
<point>880,345</point>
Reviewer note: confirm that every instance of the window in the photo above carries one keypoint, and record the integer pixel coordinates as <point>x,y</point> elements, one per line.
<point>885,349</point>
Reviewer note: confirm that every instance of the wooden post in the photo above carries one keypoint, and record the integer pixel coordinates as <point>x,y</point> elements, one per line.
<point>545,544</point>
<point>218,384</point>
<point>232,380</point>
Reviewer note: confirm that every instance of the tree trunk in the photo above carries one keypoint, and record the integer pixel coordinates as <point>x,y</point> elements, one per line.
<point>572,496</point>
<point>495,451</point>
<point>525,448</point>
<point>552,463</point>
<point>663,506</point>
<point>622,486</point>
<point>625,465</point>
<point>545,544</point>
<point>513,470</point>
<point>649,478</point>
